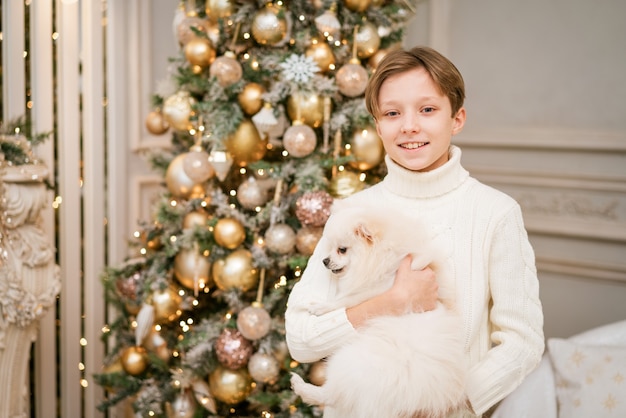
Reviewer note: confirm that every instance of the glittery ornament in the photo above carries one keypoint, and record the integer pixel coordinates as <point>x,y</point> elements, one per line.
<point>254,322</point>
<point>134,360</point>
<point>307,238</point>
<point>299,140</point>
<point>226,69</point>
<point>126,287</point>
<point>280,239</point>
<point>235,271</point>
<point>327,23</point>
<point>197,166</point>
<point>230,386</point>
<point>233,350</point>
<point>352,79</point>
<point>313,208</point>
<point>229,233</point>
<point>184,31</point>
<point>367,40</point>
<point>264,368</point>
<point>177,110</point>
<point>251,194</point>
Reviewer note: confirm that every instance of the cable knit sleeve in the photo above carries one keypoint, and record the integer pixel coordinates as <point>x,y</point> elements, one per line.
<point>310,337</point>
<point>516,316</point>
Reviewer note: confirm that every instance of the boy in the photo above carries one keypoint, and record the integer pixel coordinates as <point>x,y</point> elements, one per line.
<point>416,98</point>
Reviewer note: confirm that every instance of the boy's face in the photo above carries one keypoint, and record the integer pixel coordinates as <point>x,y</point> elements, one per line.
<point>414,121</point>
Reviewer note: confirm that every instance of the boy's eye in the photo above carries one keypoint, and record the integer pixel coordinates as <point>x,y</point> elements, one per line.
<point>391,113</point>
<point>428,109</point>
<point>342,250</point>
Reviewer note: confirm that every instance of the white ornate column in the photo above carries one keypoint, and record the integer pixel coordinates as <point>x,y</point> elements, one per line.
<point>29,278</point>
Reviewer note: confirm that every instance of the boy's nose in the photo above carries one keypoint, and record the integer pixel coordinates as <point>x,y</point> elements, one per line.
<point>410,124</point>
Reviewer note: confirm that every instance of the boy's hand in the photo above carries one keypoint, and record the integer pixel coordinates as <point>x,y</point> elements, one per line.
<point>417,290</point>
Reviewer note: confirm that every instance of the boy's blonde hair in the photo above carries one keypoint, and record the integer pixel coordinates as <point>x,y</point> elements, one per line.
<point>443,72</point>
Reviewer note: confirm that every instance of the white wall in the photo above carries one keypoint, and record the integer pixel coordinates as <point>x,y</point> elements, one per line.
<point>546,102</point>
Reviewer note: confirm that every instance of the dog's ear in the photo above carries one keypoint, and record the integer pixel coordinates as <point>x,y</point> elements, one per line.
<point>364,233</point>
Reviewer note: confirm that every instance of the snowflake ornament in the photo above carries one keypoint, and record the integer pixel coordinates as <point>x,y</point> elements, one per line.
<point>299,68</point>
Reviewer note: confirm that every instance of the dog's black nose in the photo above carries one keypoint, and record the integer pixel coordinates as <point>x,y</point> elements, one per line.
<point>326,261</point>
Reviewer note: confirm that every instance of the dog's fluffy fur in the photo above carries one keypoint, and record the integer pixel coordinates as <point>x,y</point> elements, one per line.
<point>397,366</point>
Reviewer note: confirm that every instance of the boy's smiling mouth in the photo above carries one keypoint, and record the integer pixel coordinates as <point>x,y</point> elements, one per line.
<point>413,145</point>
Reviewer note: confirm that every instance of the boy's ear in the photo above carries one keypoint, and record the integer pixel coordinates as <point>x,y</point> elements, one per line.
<point>459,121</point>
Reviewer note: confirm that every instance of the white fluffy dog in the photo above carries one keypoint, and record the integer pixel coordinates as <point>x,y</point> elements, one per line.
<point>397,366</point>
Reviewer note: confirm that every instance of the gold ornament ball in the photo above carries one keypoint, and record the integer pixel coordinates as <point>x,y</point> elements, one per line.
<point>166,303</point>
<point>178,182</point>
<point>299,140</point>
<point>254,322</point>
<point>251,98</point>
<point>229,233</point>
<point>197,166</point>
<point>351,80</point>
<point>156,123</point>
<point>195,218</point>
<point>246,145</point>
<point>218,9</point>
<point>200,52</point>
<point>322,54</point>
<point>367,40</point>
<point>344,184</point>
<point>134,360</point>
<point>357,5</point>
<point>230,386</point>
<point>269,26</point>
<point>280,239</point>
<point>307,238</point>
<point>177,110</point>
<point>367,148</point>
<point>226,69</point>
<point>317,373</point>
<point>191,268</point>
<point>307,107</point>
<point>235,271</point>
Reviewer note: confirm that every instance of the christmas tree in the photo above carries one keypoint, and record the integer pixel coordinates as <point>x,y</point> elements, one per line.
<point>265,108</point>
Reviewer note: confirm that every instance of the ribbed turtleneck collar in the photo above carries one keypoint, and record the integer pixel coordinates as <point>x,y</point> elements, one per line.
<point>433,183</point>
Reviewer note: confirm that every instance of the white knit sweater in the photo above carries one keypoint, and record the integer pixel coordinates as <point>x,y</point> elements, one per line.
<point>493,271</point>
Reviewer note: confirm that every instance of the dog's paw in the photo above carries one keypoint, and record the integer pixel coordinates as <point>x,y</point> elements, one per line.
<point>319,308</point>
<point>296,382</point>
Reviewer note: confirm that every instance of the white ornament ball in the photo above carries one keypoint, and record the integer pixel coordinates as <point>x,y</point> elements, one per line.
<point>197,166</point>
<point>254,322</point>
<point>352,79</point>
<point>299,140</point>
<point>280,238</point>
<point>263,368</point>
<point>251,194</point>
<point>226,69</point>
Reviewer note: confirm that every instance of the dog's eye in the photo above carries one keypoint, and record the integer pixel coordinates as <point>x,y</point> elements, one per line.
<point>342,250</point>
